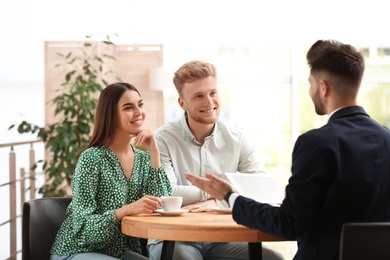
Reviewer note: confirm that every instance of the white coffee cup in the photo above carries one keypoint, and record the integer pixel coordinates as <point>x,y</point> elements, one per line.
<point>172,203</point>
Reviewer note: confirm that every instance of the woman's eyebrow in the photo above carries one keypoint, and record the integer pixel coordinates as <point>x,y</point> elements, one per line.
<point>131,103</point>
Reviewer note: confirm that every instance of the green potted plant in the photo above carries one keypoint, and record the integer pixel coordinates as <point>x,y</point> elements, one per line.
<point>74,107</point>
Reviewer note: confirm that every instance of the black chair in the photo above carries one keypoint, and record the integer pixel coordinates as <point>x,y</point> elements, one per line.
<point>365,241</point>
<point>41,220</point>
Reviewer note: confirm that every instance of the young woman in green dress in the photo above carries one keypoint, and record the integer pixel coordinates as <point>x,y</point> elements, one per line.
<point>113,178</point>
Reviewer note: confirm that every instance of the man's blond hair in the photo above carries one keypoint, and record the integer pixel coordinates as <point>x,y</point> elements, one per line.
<point>191,71</point>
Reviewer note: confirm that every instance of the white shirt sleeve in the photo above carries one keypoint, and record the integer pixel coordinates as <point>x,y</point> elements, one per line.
<point>190,194</point>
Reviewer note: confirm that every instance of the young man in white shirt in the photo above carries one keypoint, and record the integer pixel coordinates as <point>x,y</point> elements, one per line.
<point>199,142</point>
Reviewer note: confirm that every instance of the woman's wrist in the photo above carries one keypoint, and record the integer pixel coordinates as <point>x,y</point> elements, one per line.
<point>155,158</point>
<point>118,214</point>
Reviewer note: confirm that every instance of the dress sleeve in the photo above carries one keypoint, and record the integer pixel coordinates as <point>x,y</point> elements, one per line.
<point>90,226</point>
<point>156,182</point>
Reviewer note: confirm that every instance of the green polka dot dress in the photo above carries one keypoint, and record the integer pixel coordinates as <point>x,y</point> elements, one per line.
<point>99,187</point>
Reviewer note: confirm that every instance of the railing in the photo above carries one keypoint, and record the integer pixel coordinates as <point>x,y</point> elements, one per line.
<point>31,177</point>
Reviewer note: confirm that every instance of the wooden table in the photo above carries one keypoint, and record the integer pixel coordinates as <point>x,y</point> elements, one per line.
<point>195,227</point>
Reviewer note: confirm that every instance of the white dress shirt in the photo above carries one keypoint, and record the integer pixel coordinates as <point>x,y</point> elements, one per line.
<point>227,149</point>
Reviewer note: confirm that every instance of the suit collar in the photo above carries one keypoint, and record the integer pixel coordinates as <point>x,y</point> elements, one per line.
<point>348,111</point>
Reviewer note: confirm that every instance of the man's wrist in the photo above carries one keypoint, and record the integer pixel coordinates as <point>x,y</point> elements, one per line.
<point>227,196</point>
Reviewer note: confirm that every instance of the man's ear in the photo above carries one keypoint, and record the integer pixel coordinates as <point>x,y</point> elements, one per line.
<point>324,88</point>
<point>182,104</point>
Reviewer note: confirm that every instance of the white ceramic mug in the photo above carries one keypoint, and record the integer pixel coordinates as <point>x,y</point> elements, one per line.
<point>172,203</point>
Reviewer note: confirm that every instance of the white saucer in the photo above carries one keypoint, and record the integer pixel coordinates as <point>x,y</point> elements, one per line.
<point>222,211</point>
<point>171,213</point>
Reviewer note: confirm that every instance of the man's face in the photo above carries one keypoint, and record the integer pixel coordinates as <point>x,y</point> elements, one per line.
<point>314,92</point>
<point>201,101</point>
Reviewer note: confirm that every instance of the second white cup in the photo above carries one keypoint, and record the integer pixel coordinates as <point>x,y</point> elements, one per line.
<point>172,203</point>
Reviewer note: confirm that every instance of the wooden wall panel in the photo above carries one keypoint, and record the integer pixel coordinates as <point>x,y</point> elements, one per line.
<point>131,64</point>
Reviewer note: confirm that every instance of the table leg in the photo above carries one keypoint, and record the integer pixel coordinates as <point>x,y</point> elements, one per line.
<point>167,250</point>
<point>255,250</point>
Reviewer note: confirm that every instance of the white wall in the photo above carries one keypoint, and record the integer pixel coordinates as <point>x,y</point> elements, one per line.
<point>26,24</point>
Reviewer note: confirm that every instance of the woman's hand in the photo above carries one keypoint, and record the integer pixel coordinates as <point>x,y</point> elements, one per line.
<point>145,140</point>
<point>147,204</point>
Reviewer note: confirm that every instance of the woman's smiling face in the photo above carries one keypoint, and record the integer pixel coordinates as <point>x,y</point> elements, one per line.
<point>130,112</point>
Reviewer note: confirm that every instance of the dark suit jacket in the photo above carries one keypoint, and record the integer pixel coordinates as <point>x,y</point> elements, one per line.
<point>340,173</point>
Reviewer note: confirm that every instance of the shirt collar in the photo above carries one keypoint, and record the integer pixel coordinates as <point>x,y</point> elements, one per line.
<point>188,132</point>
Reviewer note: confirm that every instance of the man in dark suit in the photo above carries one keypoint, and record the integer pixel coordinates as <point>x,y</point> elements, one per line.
<point>340,172</point>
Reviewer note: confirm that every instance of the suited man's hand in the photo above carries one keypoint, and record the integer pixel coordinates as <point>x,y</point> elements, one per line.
<point>216,187</point>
